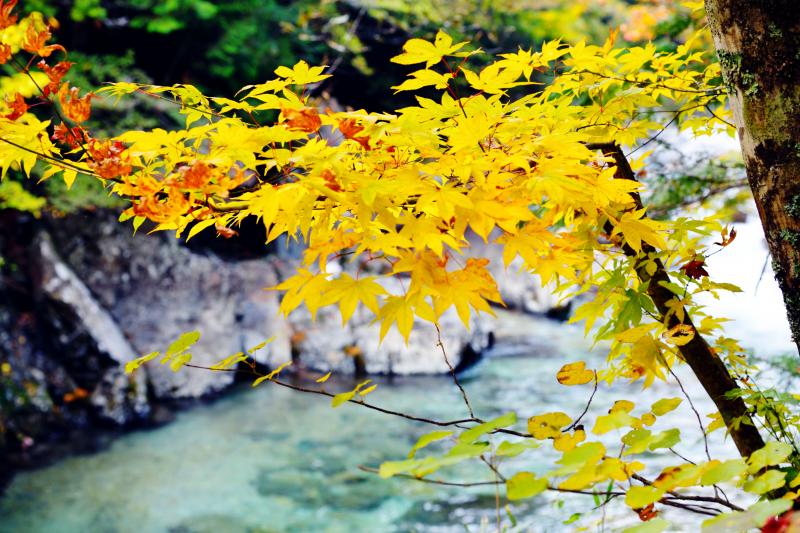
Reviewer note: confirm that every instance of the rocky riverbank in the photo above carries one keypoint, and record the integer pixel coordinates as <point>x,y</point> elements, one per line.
<point>81,296</point>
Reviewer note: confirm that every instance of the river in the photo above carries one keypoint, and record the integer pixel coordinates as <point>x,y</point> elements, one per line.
<point>270,459</point>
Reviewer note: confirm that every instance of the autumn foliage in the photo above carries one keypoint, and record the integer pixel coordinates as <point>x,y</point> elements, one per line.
<point>497,156</point>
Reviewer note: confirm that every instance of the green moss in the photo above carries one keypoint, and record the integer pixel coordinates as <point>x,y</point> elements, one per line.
<point>792,237</point>
<point>793,206</point>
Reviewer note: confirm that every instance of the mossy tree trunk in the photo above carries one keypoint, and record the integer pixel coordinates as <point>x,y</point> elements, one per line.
<point>758,44</point>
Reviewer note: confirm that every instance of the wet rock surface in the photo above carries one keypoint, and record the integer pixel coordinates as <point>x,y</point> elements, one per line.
<point>82,295</point>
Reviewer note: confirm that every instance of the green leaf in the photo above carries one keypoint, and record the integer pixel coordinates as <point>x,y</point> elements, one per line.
<point>674,288</point>
<point>773,453</point>
<point>753,517</point>
<point>182,343</point>
<point>472,434</point>
<point>131,366</point>
<point>468,449</point>
<point>666,439</point>
<point>769,480</point>
<point>524,485</point>
<point>426,439</point>
<point>511,517</point>
<point>665,405</point>
<point>655,525</point>
<point>512,449</point>
<point>642,496</point>
<point>637,440</point>
<point>724,471</point>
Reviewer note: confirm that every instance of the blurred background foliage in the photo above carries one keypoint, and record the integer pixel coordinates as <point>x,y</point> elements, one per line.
<point>222,45</point>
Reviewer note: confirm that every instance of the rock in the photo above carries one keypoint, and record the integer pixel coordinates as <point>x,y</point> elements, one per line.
<point>325,345</point>
<point>117,397</point>
<point>155,289</point>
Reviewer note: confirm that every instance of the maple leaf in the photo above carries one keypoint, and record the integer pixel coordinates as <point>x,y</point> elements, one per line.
<point>305,119</point>
<point>727,238</point>
<point>35,42</point>
<point>5,53</point>
<point>54,74</point>
<point>350,129</point>
<point>636,229</point>
<point>301,74</point>
<point>72,137</point>
<point>397,309</point>
<point>74,107</point>
<point>695,269</point>
<point>109,159</point>
<point>6,18</point>
<point>330,181</point>
<point>422,51</point>
<point>424,78</point>
<point>348,292</point>
<point>195,176</point>
<point>17,106</point>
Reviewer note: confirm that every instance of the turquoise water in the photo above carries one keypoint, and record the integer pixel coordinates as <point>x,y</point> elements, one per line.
<point>271,459</point>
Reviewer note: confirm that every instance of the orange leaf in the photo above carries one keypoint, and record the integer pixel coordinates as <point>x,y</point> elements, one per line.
<point>18,107</point>
<point>75,108</point>
<point>6,18</point>
<point>647,512</point>
<point>575,374</point>
<point>35,42</point>
<point>72,137</point>
<point>225,232</point>
<point>331,181</point>
<point>350,129</point>
<point>109,159</point>
<point>5,53</point>
<point>306,119</point>
<point>195,176</point>
<point>727,239</point>
<point>54,74</point>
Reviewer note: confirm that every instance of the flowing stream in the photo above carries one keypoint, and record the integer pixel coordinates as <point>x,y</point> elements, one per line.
<point>271,459</point>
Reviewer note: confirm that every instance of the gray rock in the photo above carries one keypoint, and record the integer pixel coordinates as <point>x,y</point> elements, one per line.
<point>325,345</point>
<point>155,288</point>
<point>117,397</point>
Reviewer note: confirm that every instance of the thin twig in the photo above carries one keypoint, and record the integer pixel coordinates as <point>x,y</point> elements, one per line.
<point>440,344</point>
<point>585,409</point>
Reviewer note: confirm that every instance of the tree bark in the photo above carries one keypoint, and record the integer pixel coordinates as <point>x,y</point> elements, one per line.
<point>706,365</point>
<point>758,44</point>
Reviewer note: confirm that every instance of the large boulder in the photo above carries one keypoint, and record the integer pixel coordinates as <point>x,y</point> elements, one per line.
<point>326,345</point>
<point>155,288</point>
<point>116,396</point>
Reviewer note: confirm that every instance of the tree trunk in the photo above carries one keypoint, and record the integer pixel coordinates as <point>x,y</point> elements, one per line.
<point>709,369</point>
<point>758,44</point>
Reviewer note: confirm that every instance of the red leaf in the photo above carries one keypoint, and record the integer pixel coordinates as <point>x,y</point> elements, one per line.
<point>18,107</point>
<point>694,269</point>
